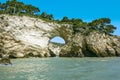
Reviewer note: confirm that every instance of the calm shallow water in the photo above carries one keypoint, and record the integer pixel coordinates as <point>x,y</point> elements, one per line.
<point>62,69</point>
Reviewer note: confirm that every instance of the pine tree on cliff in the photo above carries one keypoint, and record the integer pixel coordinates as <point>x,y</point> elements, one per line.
<point>44,15</point>
<point>65,19</point>
<point>31,10</point>
<point>102,25</point>
<point>15,7</point>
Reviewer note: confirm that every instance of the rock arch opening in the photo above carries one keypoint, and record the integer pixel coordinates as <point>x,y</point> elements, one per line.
<point>55,45</point>
<point>57,39</point>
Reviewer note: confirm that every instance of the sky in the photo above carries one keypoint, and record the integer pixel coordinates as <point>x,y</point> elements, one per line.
<point>87,10</point>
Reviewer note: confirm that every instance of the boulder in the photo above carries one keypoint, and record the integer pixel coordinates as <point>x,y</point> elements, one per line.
<point>5,59</point>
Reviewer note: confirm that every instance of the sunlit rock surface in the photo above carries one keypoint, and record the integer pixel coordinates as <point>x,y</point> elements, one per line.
<point>25,36</point>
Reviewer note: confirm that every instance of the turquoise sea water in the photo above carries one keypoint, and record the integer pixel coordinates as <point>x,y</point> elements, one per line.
<point>62,69</point>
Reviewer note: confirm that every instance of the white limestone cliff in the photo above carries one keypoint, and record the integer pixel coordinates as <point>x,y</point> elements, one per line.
<point>23,36</point>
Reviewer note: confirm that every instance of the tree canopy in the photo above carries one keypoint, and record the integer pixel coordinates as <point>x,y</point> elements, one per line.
<point>47,16</point>
<point>102,25</point>
<point>14,7</point>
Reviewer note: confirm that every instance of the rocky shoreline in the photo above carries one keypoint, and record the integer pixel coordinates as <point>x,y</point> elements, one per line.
<point>94,45</point>
<point>22,36</point>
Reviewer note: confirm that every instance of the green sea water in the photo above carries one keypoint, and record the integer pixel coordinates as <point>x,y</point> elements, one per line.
<point>62,69</point>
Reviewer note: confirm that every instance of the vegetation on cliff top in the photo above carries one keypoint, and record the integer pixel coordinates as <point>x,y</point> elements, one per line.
<point>14,7</point>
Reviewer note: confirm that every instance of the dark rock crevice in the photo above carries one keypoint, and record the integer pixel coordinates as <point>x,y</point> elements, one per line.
<point>89,53</point>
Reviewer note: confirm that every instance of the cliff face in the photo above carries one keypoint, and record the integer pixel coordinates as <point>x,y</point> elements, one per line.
<point>103,45</point>
<point>25,36</point>
<point>93,45</point>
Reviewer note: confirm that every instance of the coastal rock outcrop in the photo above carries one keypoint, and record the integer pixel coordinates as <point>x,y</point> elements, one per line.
<point>22,36</point>
<point>103,45</point>
<point>95,44</point>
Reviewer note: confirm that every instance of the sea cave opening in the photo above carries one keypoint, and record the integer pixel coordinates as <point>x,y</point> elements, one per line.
<point>56,44</point>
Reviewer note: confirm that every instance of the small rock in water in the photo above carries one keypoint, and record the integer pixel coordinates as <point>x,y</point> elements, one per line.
<point>5,60</point>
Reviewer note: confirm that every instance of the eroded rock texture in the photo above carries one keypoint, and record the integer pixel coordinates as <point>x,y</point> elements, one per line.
<point>95,44</point>
<point>25,36</point>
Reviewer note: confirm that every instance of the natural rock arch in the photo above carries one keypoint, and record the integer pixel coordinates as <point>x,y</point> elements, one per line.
<point>23,35</point>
